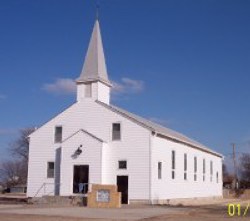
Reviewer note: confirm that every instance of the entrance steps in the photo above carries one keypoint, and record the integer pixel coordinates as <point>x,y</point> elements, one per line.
<point>60,200</point>
<point>13,199</point>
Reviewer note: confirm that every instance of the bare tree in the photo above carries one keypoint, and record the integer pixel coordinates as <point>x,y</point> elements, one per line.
<point>13,172</point>
<point>227,177</point>
<point>245,167</point>
<point>20,147</point>
<point>224,170</point>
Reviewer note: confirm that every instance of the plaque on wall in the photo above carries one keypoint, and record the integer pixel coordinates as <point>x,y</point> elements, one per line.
<point>103,196</point>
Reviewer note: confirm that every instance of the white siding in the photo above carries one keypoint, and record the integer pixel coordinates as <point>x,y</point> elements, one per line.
<point>168,188</point>
<point>96,119</point>
<point>134,147</point>
<point>41,151</point>
<point>103,93</point>
<point>99,91</point>
<point>91,155</point>
<point>80,92</point>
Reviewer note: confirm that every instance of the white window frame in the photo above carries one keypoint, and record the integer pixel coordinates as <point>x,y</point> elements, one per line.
<point>126,164</point>
<point>173,164</point>
<point>159,170</point>
<point>120,131</point>
<point>211,170</point>
<point>47,166</point>
<point>88,90</point>
<point>195,167</point>
<point>185,166</point>
<point>55,139</point>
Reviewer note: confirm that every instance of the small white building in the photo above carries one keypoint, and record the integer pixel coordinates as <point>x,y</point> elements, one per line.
<point>94,142</point>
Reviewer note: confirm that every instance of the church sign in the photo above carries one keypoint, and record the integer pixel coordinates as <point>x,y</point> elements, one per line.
<point>103,196</point>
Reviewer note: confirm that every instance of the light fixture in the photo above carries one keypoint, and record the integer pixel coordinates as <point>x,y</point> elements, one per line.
<point>77,152</point>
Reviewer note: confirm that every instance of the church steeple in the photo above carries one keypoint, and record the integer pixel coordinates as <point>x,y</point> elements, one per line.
<point>94,67</point>
<point>94,77</point>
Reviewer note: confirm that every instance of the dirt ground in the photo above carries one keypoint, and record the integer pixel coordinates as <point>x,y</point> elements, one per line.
<point>206,213</point>
<point>18,217</point>
<point>216,212</point>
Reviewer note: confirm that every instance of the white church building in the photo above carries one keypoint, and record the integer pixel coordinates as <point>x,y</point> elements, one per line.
<point>95,142</point>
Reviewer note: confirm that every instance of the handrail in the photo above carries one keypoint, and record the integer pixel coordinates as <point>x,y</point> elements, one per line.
<point>43,186</point>
<point>39,190</point>
<point>86,188</point>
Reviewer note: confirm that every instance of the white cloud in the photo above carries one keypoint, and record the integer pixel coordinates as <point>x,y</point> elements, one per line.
<point>64,86</point>
<point>127,86</point>
<point>61,86</point>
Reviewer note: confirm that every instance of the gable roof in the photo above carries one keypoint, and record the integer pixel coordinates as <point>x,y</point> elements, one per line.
<point>94,68</point>
<point>160,130</point>
<point>37,128</point>
<point>86,132</point>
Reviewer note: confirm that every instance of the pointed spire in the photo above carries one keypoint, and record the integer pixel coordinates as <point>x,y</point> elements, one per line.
<point>94,68</point>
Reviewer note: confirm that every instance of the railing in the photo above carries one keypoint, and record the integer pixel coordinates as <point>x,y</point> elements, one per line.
<point>43,187</point>
<point>83,188</point>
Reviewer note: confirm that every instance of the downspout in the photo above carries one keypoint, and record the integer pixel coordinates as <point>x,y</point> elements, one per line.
<point>102,162</point>
<point>151,135</point>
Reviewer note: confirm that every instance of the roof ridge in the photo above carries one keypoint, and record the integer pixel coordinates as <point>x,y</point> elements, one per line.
<point>160,129</point>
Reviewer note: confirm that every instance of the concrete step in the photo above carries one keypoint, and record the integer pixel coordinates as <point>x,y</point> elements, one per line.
<point>60,200</point>
<point>13,200</point>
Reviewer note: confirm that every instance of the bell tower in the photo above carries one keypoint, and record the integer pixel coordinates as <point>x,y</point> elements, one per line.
<point>93,82</point>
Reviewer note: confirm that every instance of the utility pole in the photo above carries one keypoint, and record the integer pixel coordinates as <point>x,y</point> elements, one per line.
<point>235,167</point>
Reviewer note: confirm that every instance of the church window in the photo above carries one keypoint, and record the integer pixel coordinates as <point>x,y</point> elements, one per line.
<point>88,90</point>
<point>185,166</point>
<point>122,164</point>
<point>159,170</point>
<point>204,169</point>
<point>195,168</point>
<point>173,164</point>
<point>58,134</point>
<point>211,171</point>
<point>50,170</point>
<point>116,131</point>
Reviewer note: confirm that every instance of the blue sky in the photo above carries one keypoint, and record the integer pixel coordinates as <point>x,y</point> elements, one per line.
<point>185,64</point>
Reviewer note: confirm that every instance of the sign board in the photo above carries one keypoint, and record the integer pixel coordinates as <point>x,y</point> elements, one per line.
<point>103,195</point>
